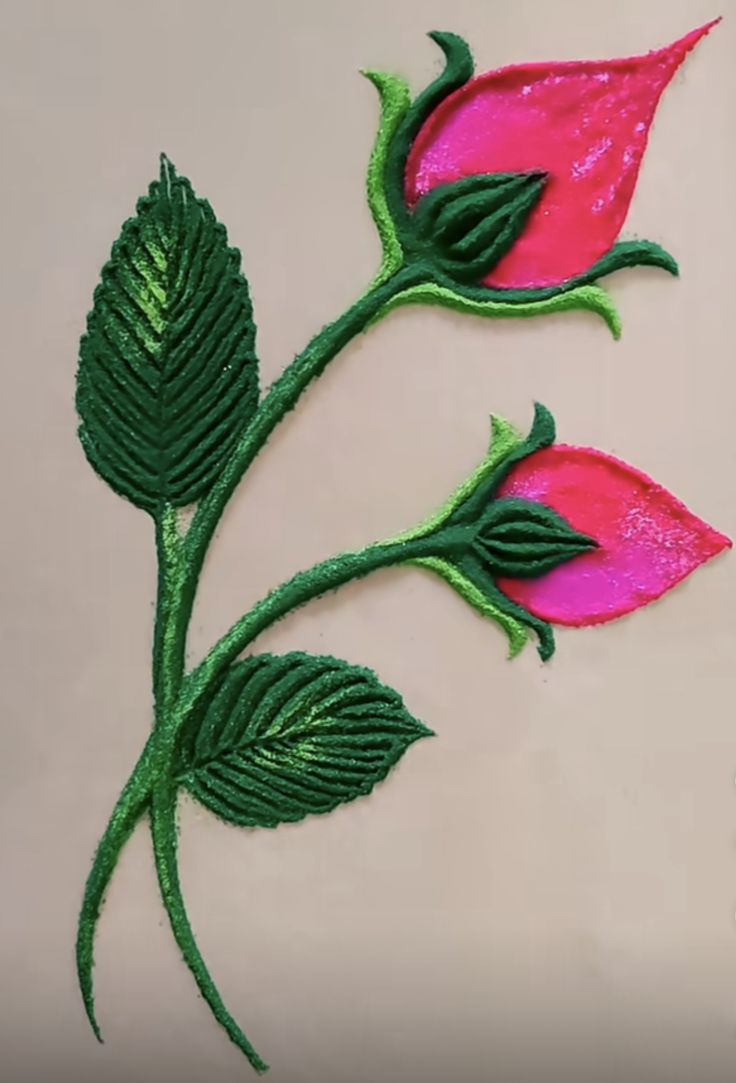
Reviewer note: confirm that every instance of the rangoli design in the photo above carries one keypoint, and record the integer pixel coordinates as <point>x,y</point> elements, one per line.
<point>501,196</point>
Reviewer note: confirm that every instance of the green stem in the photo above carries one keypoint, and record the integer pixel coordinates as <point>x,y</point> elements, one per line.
<point>169,655</point>
<point>174,600</point>
<point>306,585</point>
<point>130,806</point>
<point>302,588</point>
<point>168,667</point>
<point>164,833</point>
<point>135,798</point>
<point>283,397</point>
<point>180,565</point>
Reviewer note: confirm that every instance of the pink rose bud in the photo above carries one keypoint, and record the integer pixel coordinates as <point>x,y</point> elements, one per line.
<point>647,540</point>
<point>545,534</point>
<point>584,124</point>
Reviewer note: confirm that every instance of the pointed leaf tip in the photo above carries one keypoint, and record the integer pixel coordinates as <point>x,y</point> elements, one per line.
<point>680,48</point>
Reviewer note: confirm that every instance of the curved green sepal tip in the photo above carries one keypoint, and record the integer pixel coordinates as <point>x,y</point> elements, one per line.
<point>589,298</point>
<point>543,432</point>
<point>457,71</point>
<point>459,68</point>
<point>395,101</point>
<point>634,254</point>
<point>504,441</point>
<point>468,505</point>
<point>513,611</point>
<point>515,631</point>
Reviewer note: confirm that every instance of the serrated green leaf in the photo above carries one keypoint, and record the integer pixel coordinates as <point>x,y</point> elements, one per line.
<point>284,737</point>
<point>168,376</point>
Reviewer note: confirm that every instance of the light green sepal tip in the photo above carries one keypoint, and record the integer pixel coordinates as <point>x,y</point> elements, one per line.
<point>504,439</point>
<point>590,298</point>
<point>516,632</point>
<point>395,101</point>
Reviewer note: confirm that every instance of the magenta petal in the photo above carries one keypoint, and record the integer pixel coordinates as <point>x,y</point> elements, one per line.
<point>585,122</point>
<point>648,540</point>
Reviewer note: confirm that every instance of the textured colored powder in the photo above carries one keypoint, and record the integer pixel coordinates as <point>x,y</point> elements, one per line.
<point>586,123</point>
<point>648,540</point>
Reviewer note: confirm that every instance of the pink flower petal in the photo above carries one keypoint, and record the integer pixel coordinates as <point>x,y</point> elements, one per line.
<point>648,540</point>
<point>585,122</point>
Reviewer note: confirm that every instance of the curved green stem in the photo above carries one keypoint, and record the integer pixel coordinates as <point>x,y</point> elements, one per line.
<point>135,798</point>
<point>302,588</point>
<point>130,807</point>
<point>283,397</point>
<point>163,831</point>
<point>180,565</point>
<point>172,618</point>
<point>168,665</point>
<point>155,761</point>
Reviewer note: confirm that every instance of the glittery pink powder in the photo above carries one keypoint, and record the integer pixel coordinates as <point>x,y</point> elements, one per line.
<point>648,540</point>
<point>585,122</point>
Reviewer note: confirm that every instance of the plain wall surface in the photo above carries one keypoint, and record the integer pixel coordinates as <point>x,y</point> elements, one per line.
<point>545,891</point>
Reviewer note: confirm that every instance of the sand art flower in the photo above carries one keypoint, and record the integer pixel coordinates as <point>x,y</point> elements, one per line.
<point>511,188</point>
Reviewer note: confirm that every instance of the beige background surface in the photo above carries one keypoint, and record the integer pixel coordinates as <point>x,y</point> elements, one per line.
<point>547,890</point>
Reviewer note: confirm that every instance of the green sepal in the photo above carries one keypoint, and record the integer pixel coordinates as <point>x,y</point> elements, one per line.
<point>283,737</point>
<point>522,539</point>
<point>471,567</point>
<point>515,631</point>
<point>458,70</point>
<point>483,582</point>
<point>634,254</point>
<point>477,587</point>
<point>624,254</point>
<point>479,303</point>
<point>395,101</point>
<point>577,293</point>
<point>168,375</point>
<point>475,506</point>
<point>504,440</point>
<point>454,527</point>
<point>465,228</point>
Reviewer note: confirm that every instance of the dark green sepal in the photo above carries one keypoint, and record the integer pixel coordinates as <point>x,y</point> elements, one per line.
<point>523,539</point>
<point>622,255</point>
<point>465,228</point>
<point>541,435</point>
<point>480,536</point>
<point>473,569</point>
<point>458,70</point>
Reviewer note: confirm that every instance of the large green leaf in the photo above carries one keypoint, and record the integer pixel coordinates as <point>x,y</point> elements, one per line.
<point>168,376</point>
<point>285,736</point>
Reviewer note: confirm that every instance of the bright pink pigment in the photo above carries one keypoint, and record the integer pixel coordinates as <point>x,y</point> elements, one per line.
<point>585,122</point>
<point>648,540</point>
